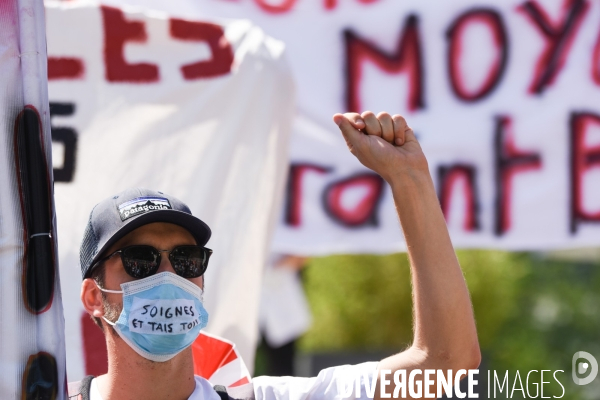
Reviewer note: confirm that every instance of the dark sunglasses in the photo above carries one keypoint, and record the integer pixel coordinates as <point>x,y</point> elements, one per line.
<point>142,261</point>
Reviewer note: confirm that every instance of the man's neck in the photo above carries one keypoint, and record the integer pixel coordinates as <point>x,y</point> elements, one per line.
<point>131,376</point>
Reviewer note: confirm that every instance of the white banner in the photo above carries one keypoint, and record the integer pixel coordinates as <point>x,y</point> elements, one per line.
<point>32,343</point>
<point>503,95</point>
<point>195,108</point>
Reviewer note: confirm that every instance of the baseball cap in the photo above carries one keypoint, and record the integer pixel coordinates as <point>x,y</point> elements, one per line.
<point>116,216</point>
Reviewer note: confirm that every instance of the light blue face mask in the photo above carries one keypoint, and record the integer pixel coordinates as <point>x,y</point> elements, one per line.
<point>162,315</point>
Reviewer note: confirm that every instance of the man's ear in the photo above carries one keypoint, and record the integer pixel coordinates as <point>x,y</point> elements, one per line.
<point>91,298</point>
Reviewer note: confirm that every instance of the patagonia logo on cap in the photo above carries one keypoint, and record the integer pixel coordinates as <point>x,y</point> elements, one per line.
<point>141,205</point>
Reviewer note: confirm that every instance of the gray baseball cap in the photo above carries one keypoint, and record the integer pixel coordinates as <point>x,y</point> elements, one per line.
<point>115,217</point>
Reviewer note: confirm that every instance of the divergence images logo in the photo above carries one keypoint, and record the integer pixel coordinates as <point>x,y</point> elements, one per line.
<point>582,363</point>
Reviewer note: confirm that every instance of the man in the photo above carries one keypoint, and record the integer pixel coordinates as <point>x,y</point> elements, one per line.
<point>143,260</point>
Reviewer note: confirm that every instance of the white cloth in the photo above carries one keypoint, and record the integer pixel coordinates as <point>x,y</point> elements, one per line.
<point>324,386</point>
<point>204,391</point>
<point>219,144</point>
<point>95,393</point>
<point>30,323</point>
<point>284,313</point>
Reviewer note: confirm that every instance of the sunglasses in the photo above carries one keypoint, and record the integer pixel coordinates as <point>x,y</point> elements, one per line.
<point>142,261</point>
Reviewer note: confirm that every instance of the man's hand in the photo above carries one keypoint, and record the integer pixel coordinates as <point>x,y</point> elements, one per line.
<point>383,143</point>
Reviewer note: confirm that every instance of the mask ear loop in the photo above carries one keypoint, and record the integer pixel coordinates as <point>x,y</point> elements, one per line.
<point>108,290</point>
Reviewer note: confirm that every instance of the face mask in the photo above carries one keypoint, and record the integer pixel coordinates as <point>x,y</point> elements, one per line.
<point>162,315</point>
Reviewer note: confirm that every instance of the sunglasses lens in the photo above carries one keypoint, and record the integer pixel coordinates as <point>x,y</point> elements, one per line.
<point>140,261</point>
<point>190,261</point>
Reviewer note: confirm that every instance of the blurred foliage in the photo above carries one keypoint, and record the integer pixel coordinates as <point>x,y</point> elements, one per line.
<point>532,313</point>
<point>358,302</point>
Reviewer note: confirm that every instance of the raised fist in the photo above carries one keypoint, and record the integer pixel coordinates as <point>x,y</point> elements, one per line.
<point>383,143</point>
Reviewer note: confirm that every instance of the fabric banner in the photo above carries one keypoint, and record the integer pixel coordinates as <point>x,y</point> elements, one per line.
<point>196,108</point>
<point>503,95</point>
<point>32,346</point>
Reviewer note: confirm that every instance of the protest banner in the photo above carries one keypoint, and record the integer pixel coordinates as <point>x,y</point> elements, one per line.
<point>199,109</point>
<point>32,346</point>
<point>503,96</point>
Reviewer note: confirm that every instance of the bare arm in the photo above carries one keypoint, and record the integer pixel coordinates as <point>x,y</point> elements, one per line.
<point>444,328</point>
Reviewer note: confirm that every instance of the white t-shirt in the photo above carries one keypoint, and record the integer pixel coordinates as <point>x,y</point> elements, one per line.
<point>325,386</point>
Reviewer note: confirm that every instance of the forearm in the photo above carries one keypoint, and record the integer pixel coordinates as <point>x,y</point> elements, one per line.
<point>444,327</point>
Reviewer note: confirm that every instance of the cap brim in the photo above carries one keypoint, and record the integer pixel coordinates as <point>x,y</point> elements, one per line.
<point>195,226</point>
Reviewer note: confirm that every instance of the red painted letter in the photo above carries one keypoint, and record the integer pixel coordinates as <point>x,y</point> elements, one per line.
<point>360,213</point>
<point>117,32</point>
<point>508,162</point>
<point>222,55</point>
<point>448,176</point>
<point>94,346</point>
<point>293,206</point>
<point>596,62</point>
<point>331,4</point>
<point>283,6</point>
<point>559,37</point>
<point>407,58</point>
<point>493,21</point>
<point>65,68</point>
<point>583,158</point>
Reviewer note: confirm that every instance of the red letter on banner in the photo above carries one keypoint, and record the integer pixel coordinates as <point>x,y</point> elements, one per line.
<point>364,211</point>
<point>222,55</point>
<point>94,346</point>
<point>493,21</point>
<point>596,62</point>
<point>283,6</point>
<point>508,162</point>
<point>117,32</point>
<point>65,68</point>
<point>293,206</point>
<point>407,58</point>
<point>559,37</point>
<point>448,176</point>
<point>331,4</point>
<point>582,159</point>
